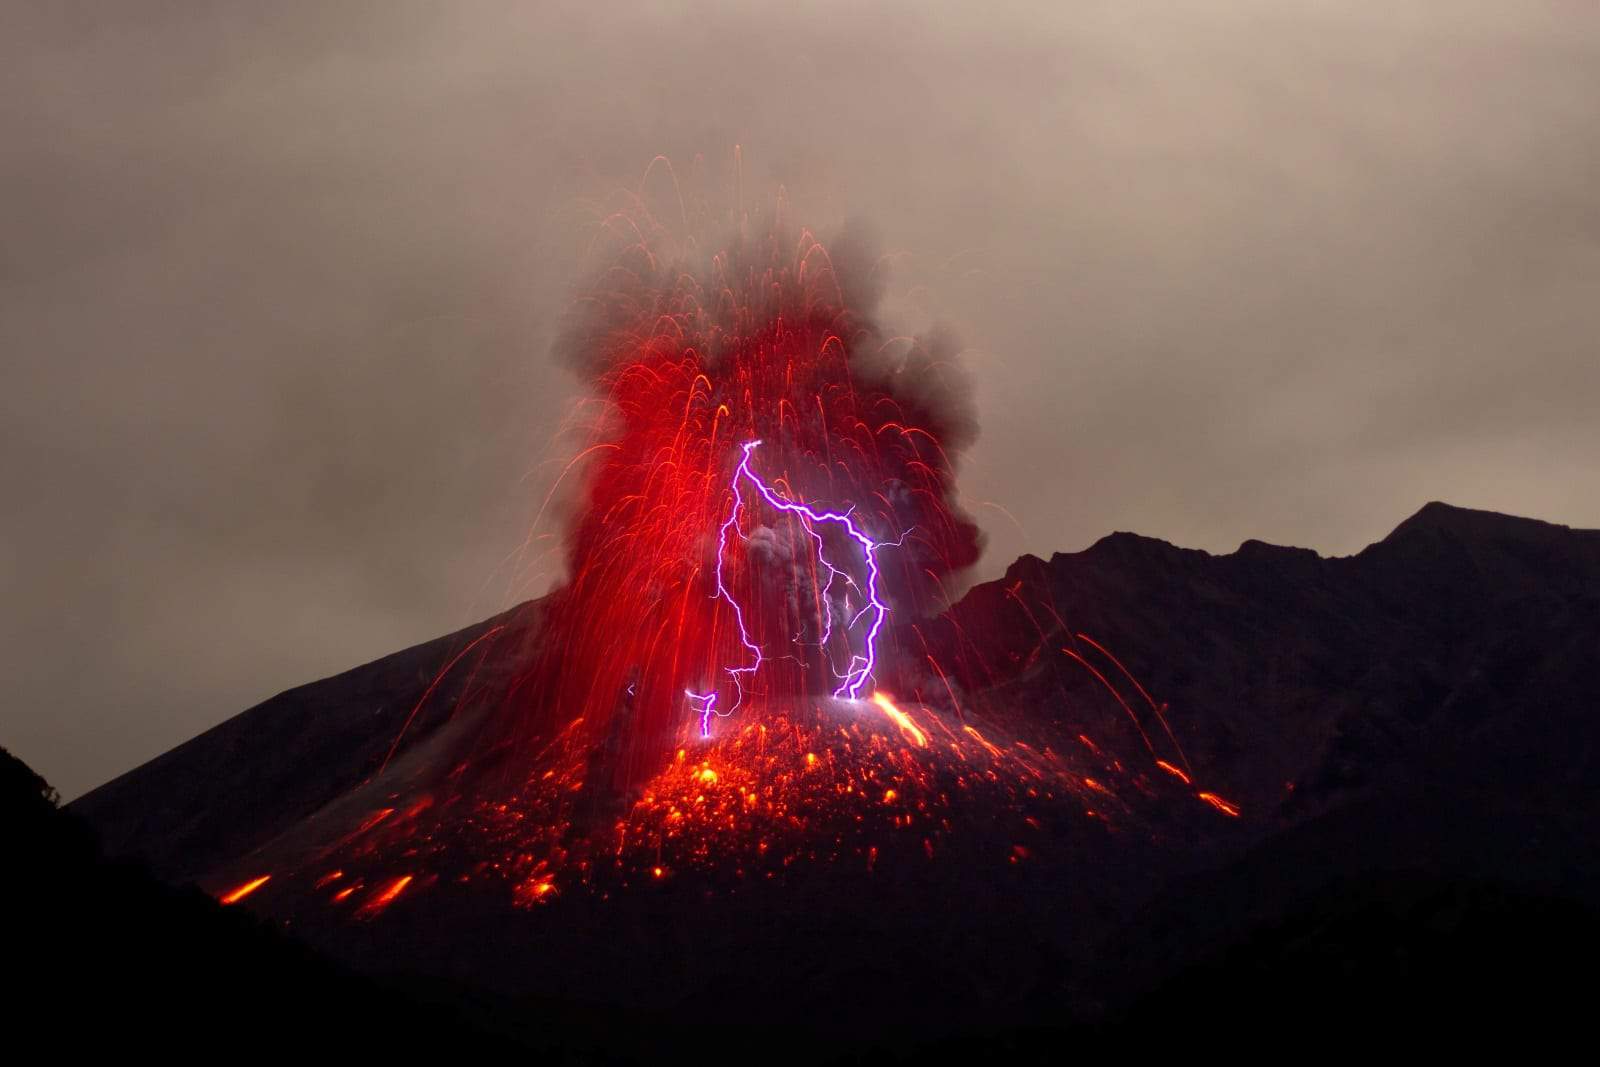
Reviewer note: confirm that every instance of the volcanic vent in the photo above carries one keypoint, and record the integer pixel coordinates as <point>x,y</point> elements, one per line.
<point>747,670</point>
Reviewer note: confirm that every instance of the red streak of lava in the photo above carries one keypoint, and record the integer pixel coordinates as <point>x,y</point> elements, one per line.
<point>1221,805</point>
<point>1170,769</point>
<point>236,895</point>
<point>386,896</point>
<point>600,776</point>
<point>908,729</point>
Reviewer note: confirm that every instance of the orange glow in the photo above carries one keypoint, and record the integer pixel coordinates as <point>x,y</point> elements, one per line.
<point>540,890</point>
<point>245,890</point>
<point>987,747</point>
<point>1170,769</point>
<point>374,819</point>
<point>794,785</point>
<point>1159,709</point>
<point>1220,804</point>
<point>386,896</point>
<point>1134,718</point>
<point>329,878</point>
<point>418,808</point>
<point>786,780</point>
<point>908,728</point>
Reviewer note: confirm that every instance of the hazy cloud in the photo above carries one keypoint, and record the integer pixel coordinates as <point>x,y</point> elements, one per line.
<point>278,283</point>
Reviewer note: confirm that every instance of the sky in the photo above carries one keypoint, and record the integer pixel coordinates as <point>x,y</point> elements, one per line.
<point>278,285</point>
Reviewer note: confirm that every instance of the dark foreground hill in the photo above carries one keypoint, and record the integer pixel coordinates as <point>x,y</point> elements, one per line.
<point>1408,735</point>
<point>102,957</point>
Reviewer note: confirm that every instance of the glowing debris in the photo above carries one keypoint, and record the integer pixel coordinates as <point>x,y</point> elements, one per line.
<point>1175,772</point>
<point>236,895</point>
<point>909,729</point>
<point>386,896</point>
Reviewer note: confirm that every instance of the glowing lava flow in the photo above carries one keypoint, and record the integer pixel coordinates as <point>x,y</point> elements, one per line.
<point>859,671</point>
<point>245,890</point>
<point>908,729</point>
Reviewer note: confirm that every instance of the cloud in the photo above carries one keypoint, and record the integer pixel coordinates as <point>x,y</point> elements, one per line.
<point>278,285</point>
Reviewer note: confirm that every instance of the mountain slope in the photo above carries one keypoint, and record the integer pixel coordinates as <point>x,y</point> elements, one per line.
<point>246,780</point>
<point>1457,650</point>
<point>1425,706</point>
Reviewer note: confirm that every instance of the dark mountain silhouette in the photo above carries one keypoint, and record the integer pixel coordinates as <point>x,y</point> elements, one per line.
<point>250,778</point>
<point>1409,734</point>
<point>100,956</point>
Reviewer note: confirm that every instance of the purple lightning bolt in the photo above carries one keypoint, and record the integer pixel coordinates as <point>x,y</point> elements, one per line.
<point>858,673</point>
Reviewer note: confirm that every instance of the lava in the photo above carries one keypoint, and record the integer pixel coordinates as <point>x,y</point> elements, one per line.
<point>912,732</point>
<point>239,893</point>
<point>386,896</point>
<point>698,354</point>
<point>1221,805</point>
<point>708,695</point>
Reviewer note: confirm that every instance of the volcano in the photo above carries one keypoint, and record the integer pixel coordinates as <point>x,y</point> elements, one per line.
<point>1119,763</point>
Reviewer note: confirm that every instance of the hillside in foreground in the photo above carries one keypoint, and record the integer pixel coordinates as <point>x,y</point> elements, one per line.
<point>1399,747</point>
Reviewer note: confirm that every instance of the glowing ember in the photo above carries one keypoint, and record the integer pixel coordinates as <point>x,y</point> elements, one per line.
<point>750,443</point>
<point>1170,769</point>
<point>910,729</point>
<point>1221,805</point>
<point>386,896</point>
<point>236,895</point>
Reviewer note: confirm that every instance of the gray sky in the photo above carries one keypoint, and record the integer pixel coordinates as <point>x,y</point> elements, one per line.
<point>277,284</point>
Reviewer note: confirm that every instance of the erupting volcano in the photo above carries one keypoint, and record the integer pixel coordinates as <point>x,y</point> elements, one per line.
<point>707,713</point>
<point>859,671</point>
<point>707,576</point>
<point>751,664</point>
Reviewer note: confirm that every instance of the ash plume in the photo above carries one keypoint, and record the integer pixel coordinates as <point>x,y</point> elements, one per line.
<point>694,350</point>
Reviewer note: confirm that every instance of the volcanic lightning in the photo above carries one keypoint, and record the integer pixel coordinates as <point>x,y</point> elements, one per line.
<point>693,594</point>
<point>858,673</point>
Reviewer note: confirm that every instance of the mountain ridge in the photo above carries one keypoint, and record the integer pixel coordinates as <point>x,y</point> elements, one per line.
<point>1419,713</point>
<point>218,779</point>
